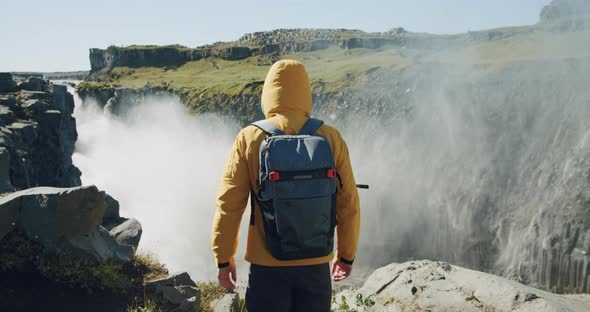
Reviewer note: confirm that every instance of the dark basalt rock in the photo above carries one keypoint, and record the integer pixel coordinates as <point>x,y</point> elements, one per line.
<point>7,84</point>
<point>39,133</point>
<point>67,221</point>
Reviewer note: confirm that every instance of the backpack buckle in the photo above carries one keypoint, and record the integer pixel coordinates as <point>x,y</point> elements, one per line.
<point>331,173</point>
<point>274,176</point>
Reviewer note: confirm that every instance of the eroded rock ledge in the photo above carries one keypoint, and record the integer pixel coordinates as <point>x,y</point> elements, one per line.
<point>438,286</point>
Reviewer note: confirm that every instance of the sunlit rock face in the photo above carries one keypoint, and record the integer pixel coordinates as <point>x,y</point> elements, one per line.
<point>425,285</point>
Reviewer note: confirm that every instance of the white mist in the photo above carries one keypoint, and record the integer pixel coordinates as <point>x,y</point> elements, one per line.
<point>163,165</point>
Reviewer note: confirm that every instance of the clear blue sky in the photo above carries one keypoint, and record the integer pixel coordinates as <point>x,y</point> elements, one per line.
<point>55,35</point>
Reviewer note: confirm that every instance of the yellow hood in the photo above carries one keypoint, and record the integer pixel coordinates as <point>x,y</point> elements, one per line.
<point>286,91</point>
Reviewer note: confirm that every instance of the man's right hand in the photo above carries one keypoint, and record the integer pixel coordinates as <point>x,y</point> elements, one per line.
<point>227,277</point>
<point>341,271</point>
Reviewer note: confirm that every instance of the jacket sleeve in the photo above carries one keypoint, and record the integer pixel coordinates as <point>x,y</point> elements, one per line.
<point>347,206</point>
<point>232,199</point>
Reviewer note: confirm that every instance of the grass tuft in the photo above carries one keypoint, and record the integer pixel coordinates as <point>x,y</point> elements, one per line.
<point>210,291</point>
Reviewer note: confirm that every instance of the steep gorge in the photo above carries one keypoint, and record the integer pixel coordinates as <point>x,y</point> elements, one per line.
<point>477,151</point>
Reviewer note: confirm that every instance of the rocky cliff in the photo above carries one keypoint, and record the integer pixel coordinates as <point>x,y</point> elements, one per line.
<point>276,43</point>
<point>37,139</point>
<point>38,134</point>
<point>559,9</point>
<point>64,243</point>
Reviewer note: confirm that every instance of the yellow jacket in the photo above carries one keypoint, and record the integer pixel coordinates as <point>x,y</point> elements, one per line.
<point>286,100</point>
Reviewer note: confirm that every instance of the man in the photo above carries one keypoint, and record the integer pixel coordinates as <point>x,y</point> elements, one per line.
<point>282,285</point>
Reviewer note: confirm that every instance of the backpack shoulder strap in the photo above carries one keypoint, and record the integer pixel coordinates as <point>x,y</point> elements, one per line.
<point>268,127</point>
<point>311,126</point>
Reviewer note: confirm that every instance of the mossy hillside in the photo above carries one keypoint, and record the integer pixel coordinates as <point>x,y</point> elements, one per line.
<point>338,75</point>
<point>334,65</point>
<point>233,87</point>
<point>330,66</point>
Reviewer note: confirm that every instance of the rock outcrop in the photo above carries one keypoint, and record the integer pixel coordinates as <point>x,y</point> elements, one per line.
<point>155,56</point>
<point>439,286</point>
<point>118,101</point>
<point>68,221</point>
<point>37,138</point>
<point>34,84</point>
<point>38,132</point>
<point>559,9</point>
<point>7,84</point>
<point>273,43</point>
<point>228,303</point>
<point>175,293</point>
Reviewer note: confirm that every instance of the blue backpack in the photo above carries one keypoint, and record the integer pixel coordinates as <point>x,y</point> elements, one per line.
<point>297,192</point>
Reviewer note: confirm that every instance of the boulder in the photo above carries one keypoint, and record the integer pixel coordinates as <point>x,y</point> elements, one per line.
<point>35,95</point>
<point>50,214</point>
<point>111,213</point>
<point>229,303</point>
<point>36,106</point>
<point>437,286</point>
<point>5,76</point>
<point>62,100</point>
<point>192,304</point>
<point>178,279</point>
<point>33,84</point>
<point>65,221</point>
<point>6,115</point>
<point>7,84</point>
<point>177,293</point>
<point>98,245</point>
<point>128,233</point>
<point>8,101</point>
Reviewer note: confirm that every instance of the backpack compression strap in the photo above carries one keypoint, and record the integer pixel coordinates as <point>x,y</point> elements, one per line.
<point>311,126</point>
<point>268,127</point>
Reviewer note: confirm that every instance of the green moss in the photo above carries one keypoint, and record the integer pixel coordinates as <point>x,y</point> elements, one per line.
<point>148,306</point>
<point>85,86</point>
<point>20,254</point>
<point>83,273</point>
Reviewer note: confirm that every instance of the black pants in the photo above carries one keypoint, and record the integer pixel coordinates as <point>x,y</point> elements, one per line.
<point>289,289</point>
